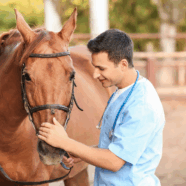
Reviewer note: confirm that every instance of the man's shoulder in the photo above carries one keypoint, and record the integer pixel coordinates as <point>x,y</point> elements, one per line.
<point>145,85</point>
<point>146,90</point>
<point>145,97</point>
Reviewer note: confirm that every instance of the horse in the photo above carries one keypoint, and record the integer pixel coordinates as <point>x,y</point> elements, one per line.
<point>47,81</point>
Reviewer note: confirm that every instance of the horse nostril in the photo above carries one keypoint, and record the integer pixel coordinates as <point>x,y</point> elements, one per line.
<point>41,148</point>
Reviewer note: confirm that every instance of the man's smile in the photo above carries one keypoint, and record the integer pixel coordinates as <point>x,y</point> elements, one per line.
<point>101,80</point>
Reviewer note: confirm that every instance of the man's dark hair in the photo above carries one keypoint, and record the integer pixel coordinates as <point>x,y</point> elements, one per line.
<point>116,43</point>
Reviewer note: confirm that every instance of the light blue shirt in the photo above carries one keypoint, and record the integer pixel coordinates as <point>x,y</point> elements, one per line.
<point>137,138</point>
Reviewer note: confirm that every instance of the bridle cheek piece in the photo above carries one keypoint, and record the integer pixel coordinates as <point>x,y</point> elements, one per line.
<point>52,107</point>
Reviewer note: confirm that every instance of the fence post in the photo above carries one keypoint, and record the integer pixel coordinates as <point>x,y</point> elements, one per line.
<point>151,71</point>
<point>181,74</point>
<point>150,66</point>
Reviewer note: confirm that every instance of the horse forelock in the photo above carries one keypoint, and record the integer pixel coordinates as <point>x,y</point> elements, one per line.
<point>14,49</point>
<point>8,41</point>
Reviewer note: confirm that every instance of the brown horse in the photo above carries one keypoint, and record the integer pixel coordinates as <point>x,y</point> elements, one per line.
<point>47,81</point>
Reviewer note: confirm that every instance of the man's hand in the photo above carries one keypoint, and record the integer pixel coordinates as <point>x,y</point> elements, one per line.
<point>69,162</point>
<point>53,134</point>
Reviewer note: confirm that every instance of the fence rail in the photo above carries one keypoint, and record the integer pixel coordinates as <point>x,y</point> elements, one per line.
<point>159,55</point>
<point>159,66</point>
<point>152,64</point>
<point>136,36</point>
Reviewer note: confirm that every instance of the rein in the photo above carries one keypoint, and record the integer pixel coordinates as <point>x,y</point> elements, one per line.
<point>52,107</point>
<point>33,183</point>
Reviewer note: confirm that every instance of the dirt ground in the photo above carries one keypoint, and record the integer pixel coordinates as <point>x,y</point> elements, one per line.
<point>172,168</point>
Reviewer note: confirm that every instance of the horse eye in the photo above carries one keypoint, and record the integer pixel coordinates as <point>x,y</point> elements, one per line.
<point>27,77</point>
<point>2,43</point>
<point>72,76</point>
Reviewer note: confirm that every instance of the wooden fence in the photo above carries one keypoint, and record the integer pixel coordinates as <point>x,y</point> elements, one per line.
<point>153,64</point>
<point>151,61</point>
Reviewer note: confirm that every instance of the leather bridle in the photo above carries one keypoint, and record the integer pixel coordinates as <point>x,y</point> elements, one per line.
<point>52,107</point>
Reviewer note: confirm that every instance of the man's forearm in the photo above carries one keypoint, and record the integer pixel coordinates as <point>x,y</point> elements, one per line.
<point>94,146</point>
<point>103,158</point>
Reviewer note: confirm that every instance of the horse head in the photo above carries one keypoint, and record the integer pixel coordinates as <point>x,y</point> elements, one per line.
<point>47,81</point>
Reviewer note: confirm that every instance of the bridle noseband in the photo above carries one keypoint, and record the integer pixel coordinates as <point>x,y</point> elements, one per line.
<point>52,107</point>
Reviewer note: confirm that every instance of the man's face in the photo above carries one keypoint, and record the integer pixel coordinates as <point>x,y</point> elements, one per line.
<point>106,71</point>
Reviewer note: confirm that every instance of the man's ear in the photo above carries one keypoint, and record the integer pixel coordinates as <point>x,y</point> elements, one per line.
<point>124,64</point>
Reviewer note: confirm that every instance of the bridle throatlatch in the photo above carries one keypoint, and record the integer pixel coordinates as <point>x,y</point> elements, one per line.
<point>52,107</point>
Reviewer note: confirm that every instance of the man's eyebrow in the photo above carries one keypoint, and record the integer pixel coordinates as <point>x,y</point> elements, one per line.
<point>98,66</point>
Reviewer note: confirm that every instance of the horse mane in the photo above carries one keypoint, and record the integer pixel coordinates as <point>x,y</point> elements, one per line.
<point>22,52</point>
<point>7,41</point>
<point>5,35</point>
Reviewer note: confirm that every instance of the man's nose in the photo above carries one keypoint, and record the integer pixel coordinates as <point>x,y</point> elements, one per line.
<point>96,73</point>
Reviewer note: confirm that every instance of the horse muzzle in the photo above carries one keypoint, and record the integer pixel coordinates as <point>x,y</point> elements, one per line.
<point>48,154</point>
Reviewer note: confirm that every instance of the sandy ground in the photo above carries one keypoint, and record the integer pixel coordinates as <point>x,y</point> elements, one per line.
<point>172,168</point>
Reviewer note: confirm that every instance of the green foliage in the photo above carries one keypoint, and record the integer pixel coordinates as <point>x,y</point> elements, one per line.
<point>135,16</point>
<point>131,16</point>
<point>32,11</point>
<point>83,13</point>
<point>7,20</point>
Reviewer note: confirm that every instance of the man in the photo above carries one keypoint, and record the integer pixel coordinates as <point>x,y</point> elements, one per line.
<point>130,145</point>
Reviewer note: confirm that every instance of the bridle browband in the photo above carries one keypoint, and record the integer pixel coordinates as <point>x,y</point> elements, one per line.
<point>50,55</point>
<point>52,107</point>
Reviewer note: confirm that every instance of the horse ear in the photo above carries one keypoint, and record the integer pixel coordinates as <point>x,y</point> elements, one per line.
<point>3,37</point>
<point>69,27</point>
<point>27,33</point>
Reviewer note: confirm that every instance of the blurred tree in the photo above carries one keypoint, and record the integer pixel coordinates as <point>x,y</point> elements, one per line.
<point>52,11</point>
<point>67,7</point>
<point>171,12</point>
<point>135,16</point>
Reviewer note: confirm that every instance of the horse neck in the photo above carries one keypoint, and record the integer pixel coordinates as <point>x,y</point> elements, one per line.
<point>12,110</point>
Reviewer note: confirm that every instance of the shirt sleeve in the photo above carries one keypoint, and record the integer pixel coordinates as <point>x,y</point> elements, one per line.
<point>132,133</point>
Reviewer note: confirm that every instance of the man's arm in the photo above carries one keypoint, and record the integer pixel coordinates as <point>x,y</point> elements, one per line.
<point>69,162</point>
<point>103,158</point>
<point>55,135</point>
